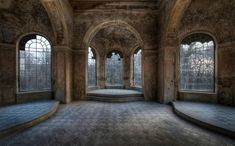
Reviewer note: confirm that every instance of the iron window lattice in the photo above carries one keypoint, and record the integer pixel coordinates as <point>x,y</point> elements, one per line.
<point>114,68</point>
<point>197,63</point>
<point>34,64</point>
<point>92,79</point>
<point>137,68</point>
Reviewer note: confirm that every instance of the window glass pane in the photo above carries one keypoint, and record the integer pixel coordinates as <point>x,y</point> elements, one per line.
<point>91,67</point>
<point>35,65</point>
<point>137,68</point>
<point>114,69</point>
<point>197,64</point>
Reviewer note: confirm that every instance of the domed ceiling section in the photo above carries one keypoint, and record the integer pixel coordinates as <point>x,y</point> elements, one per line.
<point>22,16</point>
<point>114,37</point>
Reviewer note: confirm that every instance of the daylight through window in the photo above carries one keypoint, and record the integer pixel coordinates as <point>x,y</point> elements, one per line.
<point>114,68</point>
<point>91,67</point>
<point>137,68</point>
<point>197,63</point>
<point>34,64</point>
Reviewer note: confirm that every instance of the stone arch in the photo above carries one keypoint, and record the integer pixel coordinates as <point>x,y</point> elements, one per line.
<point>57,11</point>
<point>93,30</point>
<point>177,14</point>
<point>174,19</point>
<point>185,34</point>
<point>51,41</point>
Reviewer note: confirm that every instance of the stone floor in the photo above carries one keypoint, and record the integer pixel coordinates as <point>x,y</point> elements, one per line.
<point>114,92</point>
<point>213,114</point>
<point>116,124</point>
<point>11,116</point>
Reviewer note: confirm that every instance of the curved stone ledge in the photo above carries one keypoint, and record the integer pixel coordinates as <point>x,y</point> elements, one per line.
<point>15,118</point>
<point>201,116</point>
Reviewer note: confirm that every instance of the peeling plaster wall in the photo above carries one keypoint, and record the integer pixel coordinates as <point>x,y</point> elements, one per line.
<point>7,74</point>
<point>18,17</point>
<point>216,17</point>
<point>23,17</point>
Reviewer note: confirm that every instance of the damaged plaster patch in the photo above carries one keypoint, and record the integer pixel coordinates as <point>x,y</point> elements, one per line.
<point>5,4</point>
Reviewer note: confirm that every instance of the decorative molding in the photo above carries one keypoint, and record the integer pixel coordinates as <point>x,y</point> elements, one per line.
<point>150,51</point>
<point>79,51</point>
<point>61,49</point>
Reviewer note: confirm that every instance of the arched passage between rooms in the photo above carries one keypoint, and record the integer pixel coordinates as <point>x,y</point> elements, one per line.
<point>109,36</point>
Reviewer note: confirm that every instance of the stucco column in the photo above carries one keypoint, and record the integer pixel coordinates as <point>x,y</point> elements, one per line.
<point>80,74</point>
<point>149,76</point>
<point>126,74</point>
<point>62,73</point>
<point>169,74</point>
<point>101,70</point>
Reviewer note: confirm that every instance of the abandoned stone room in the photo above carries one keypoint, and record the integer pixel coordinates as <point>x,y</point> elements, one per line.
<point>117,72</point>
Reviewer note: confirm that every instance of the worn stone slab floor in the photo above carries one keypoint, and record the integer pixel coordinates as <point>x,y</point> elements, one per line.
<point>89,123</point>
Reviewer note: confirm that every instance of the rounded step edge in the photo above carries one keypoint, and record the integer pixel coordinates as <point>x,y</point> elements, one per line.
<point>113,99</point>
<point>203,124</point>
<point>113,95</point>
<point>31,123</point>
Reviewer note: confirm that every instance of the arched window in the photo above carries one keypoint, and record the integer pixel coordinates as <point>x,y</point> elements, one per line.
<point>197,63</point>
<point>137,68</point>
<point>91,67</point>
<point>114,68</point>
<point>34,64</point>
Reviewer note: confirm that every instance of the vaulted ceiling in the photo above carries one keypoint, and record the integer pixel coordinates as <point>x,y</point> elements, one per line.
<point>114,37</point>
<point>117,4</point>
<point>21,16</point>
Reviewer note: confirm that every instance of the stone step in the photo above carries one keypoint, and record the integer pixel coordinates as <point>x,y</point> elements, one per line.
<point>115,95</point>
<point>116,99</point>
<point>25,115</point>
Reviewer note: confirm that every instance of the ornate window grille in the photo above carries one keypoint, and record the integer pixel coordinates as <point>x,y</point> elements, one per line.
<point>92,80</point>
<point>197,63</point>
<point>138,68</point>
<point>34,64</point>
<point>114,68</point>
